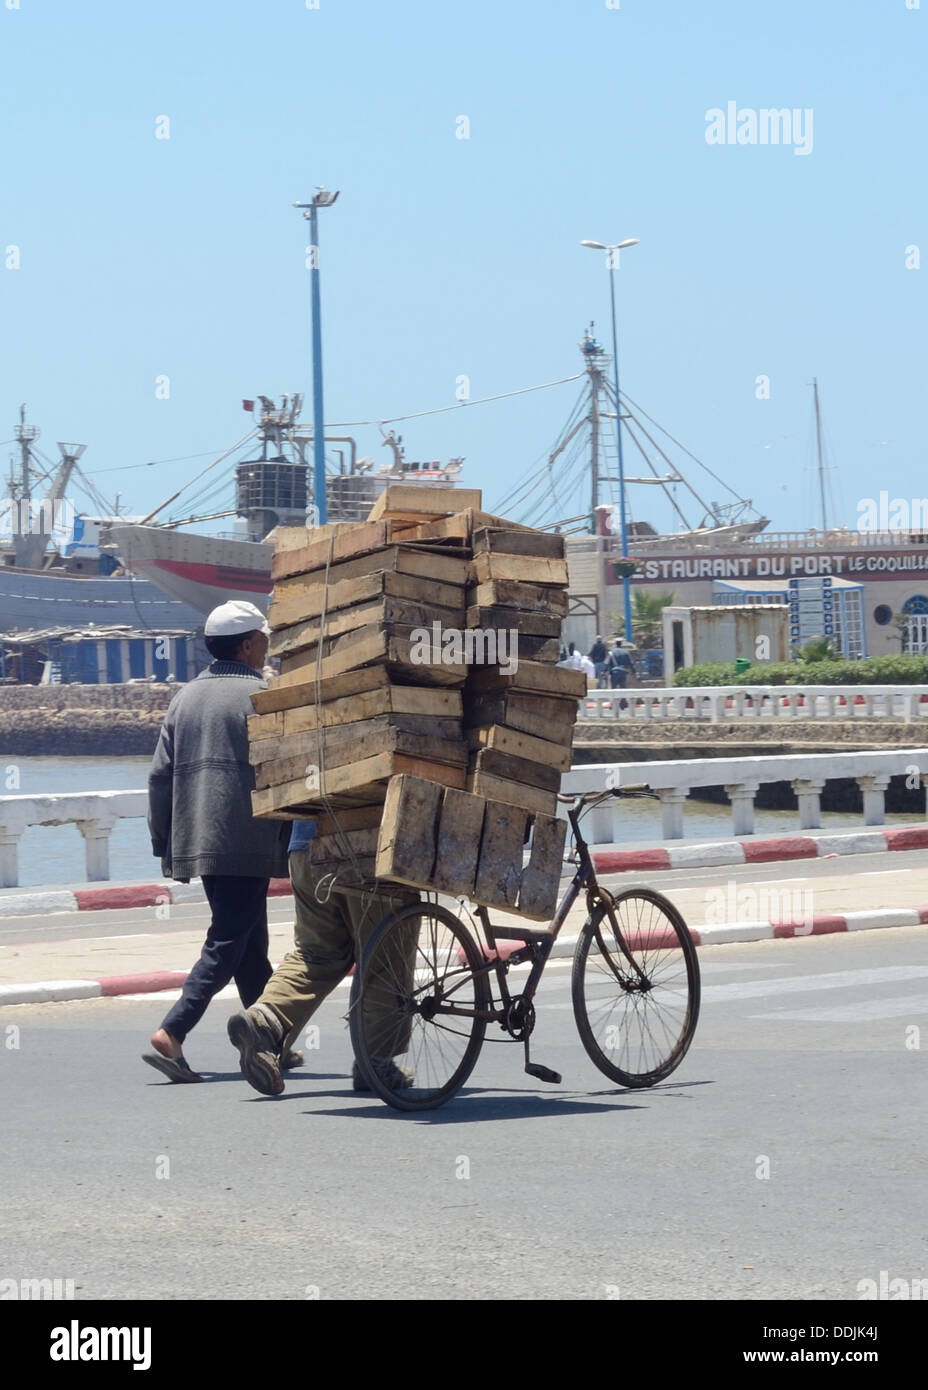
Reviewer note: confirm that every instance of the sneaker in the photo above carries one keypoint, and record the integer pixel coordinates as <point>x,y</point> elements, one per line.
<point>397,1078</point>
<point>292,1059</point>
<point>258,1036</point>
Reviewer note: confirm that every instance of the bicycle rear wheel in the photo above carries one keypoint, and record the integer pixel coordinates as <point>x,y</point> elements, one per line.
<point>419,1002</point>
<point>637,1008</point>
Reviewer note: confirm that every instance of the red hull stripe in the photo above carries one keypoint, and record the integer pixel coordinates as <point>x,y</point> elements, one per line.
<point>214,576</point>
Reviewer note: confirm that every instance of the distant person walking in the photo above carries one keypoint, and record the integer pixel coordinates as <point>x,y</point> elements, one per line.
<point>599,655</point>
<point>619,666</point>
<point>576,661</point>
<point>199,796</point>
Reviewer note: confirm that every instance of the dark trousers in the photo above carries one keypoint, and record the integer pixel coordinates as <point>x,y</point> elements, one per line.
<point>235,949</point>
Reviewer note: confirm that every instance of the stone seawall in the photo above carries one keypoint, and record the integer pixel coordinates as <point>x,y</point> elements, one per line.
<point>82,720</point>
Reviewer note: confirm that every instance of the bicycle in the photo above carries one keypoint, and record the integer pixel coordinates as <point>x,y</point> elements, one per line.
<point>422,992</point>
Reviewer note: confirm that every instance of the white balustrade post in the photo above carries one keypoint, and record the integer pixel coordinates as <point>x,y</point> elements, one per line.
<point>809,796</point>
<point>717,707</point>
<point>672,799</point>
<point>9,855</point>
<point>600,822</point>
<point>741,795</point>
<point>874,790</point>
<point>96,835</point>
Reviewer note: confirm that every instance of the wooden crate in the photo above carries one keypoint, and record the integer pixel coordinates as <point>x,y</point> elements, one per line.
<point>470,846</point>
<point>356,707</point>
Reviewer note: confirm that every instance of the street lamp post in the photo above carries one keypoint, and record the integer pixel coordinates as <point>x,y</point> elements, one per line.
<point>611,259</point>
<point>321,199</point>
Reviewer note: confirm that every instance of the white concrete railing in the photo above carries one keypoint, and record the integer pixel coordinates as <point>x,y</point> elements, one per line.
<point>741,778</point>
<point>716,703</point>
<point>94,814</point>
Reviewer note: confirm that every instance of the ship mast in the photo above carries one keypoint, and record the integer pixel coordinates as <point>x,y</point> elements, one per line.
<point>821,462</point>
<point>595,375</point>
<point>25,435</point>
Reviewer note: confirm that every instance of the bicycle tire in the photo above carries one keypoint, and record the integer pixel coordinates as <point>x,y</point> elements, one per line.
<point>659,941</point>
<point>445,970</point>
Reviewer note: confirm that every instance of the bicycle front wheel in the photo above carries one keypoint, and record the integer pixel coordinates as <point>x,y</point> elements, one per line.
<point>635,987</point>
<point>419,1006</point>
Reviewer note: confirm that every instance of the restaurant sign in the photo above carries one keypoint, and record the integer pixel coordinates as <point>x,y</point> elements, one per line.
<point>659,569</point>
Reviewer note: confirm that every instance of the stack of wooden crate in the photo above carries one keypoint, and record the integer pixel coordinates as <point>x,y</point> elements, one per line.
<point>422,767</point>
<point>520,721</point>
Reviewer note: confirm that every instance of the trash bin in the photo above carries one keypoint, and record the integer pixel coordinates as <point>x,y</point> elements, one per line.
<point>742,664</point>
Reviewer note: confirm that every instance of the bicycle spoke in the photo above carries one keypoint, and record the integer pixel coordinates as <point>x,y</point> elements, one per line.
<point>417,967</point>
<point>636,1018</point>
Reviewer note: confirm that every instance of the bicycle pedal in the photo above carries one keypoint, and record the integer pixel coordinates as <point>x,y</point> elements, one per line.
<point>543,1073</point>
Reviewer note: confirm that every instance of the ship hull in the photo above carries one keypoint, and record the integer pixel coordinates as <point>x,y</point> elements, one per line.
<point>31,599</point>
<point>199,571</point>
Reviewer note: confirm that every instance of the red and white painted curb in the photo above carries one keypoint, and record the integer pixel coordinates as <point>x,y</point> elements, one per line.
<point>63,991</point>
<point>712,855</point>
<point>721,852</point>
<point>115,895</point>
<point>731,932</point>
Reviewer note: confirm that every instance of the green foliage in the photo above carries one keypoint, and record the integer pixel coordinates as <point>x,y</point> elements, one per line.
<point>708,673</point>
<point>820,649</point>
<point>647,619</point>
<point>874,670</point>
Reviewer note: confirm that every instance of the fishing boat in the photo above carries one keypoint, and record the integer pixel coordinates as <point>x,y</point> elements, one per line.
<point>53,572</point>
<point>871,581</point>
<point>272,488</point>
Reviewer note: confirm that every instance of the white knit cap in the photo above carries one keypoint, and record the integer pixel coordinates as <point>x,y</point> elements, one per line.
<point>235,617</point>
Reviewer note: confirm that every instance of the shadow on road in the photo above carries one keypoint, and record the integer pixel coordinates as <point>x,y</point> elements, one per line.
<point>473,1105</point>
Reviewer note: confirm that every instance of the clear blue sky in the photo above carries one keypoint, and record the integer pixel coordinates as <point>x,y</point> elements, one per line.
<point>446,256</point>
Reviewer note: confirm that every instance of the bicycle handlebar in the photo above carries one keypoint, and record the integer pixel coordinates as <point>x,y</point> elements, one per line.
<point>576,800</point>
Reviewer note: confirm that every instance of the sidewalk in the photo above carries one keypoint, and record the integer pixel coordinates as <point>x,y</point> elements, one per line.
<point>650,855</point>
<point>752,849</point>
<point>143,961</point>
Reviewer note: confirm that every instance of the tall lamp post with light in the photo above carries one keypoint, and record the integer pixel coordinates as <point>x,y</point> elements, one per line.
<point>321,199</point>
<point>611,260</point>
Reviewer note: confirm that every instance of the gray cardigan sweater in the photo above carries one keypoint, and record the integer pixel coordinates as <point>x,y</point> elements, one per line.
<point>200,783</point>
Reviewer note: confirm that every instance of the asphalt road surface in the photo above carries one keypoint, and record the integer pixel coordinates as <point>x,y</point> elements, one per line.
<point>784,1159</point>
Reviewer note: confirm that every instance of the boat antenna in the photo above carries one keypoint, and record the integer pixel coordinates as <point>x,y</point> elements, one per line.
<point>821,463</point>
<point>174,495</point>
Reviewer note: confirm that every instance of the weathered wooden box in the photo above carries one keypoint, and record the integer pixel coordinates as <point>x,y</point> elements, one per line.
<point>444,840</point>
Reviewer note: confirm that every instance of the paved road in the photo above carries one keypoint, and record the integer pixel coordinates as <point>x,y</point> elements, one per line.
<point>784,1159</point>
<point>112,942</point>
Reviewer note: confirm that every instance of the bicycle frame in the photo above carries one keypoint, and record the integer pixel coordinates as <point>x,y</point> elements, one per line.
<point>446,990</point>
<point>540,942</point>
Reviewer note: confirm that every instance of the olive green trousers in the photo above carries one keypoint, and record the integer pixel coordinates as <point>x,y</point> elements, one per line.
<point>330,932</point>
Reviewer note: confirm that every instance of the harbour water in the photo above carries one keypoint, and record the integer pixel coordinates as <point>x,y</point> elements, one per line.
<point>55,854</point>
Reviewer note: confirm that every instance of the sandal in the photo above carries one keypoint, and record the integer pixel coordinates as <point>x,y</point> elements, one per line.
<point>174,1068</point>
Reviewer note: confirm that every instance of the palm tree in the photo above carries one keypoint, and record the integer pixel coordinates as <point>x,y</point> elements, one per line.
<point>647,619</point>
<point>819,649</point>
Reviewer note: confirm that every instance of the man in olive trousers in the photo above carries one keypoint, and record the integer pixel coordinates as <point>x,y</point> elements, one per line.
<point>333,923</point>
